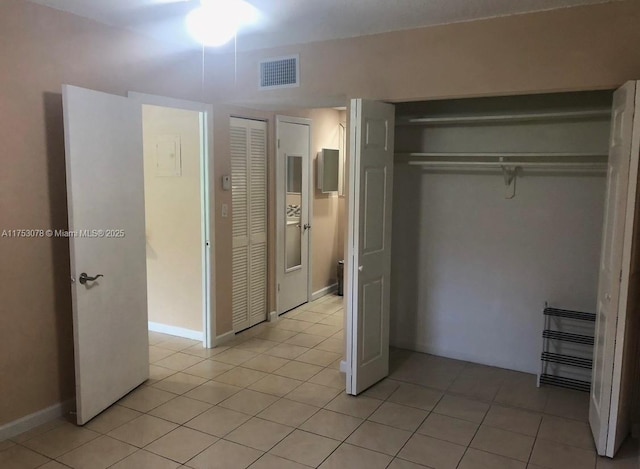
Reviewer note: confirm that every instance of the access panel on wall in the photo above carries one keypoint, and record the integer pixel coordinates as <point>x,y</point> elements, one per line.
<point>249,221</point>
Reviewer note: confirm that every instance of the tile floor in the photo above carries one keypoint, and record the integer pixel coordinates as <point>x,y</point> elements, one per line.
<point>274,398</point>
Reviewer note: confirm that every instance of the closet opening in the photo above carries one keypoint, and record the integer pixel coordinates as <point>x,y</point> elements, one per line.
<point>507,214</point>
<point>498,208</point>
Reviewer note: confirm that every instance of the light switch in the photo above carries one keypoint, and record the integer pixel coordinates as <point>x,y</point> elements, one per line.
<point>225,211</point>
<point>226,183</point>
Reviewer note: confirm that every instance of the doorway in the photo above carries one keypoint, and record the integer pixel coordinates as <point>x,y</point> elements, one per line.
<point>442,260</point>
<point>177,139</point>
<point>174,212</point>
<point>293,212</point>
<point>109,298</point>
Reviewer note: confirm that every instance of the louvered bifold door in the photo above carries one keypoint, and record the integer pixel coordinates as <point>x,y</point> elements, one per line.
<point>249,219</point>
<point>240,224</point>
<point>258,222</point>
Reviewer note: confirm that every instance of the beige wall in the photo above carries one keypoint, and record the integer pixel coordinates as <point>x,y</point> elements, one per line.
<point>40,49</point>
<point>570,49</point>
<point>326,224</point>
<point>173,221</point>
<point>581,48</point>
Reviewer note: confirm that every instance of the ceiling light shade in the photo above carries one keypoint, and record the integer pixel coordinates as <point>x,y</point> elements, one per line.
<point>216,22</point>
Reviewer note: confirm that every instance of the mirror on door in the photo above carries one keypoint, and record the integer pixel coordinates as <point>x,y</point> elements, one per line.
<point>293,209</point>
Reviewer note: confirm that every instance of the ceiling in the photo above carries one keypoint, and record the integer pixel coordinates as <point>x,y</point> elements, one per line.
<point>300,21</point>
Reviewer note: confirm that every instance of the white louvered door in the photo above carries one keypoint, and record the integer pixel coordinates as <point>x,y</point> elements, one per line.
<point>249,222</point>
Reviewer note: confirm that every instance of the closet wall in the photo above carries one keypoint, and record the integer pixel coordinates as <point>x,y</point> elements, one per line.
<point>471,270</point>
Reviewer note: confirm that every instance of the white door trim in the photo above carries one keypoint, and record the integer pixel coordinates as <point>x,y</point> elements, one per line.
<point>351,249</point>
<point>279,254</point>
<point>208,195</point>
<point>615,436</point>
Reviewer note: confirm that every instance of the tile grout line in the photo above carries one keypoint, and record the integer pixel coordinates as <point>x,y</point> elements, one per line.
<point>418,427</point>
<point>331,366</point>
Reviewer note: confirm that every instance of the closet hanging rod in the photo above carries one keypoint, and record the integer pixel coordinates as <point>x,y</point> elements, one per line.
<point>512,164</point>
<point>516,117</point>
<point>500,155</point>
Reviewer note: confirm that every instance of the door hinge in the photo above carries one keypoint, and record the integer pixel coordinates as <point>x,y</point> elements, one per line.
<point>620,279</point>
<point>278,288</point>
<point>278,143</point>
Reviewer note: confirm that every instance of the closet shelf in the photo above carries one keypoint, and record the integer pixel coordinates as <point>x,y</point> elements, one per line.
<point>506,118</point>
<point>590,162</point>
<point>454,155</point>
<point>580,354</point>
<point>563,382</point>
<point>568,337</point>
<point>567,360</point>
<point>565,313</point>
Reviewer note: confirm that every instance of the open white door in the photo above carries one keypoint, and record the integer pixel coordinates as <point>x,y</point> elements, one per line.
<point>369,248</point>
<point>608,414</point>
<point>293,212</point>
<point>105,191</point>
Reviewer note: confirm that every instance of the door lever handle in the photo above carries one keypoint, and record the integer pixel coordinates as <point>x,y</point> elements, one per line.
<point>84,278</point>
<point>307,227</point>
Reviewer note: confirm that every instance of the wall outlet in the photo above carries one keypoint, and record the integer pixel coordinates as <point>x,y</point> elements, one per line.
<point>224,210</point>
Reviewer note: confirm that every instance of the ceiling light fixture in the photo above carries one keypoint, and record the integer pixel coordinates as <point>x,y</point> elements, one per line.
<point>216,22</point>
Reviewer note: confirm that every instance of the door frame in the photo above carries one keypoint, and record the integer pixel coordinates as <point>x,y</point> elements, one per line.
<point>207,221</point>
<point>620,393</point>
<point>279,186</point>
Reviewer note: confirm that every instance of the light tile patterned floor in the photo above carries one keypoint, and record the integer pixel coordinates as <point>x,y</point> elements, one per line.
<point>274,399</point>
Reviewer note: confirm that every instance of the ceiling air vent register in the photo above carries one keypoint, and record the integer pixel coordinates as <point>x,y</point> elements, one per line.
<point>281,72</point>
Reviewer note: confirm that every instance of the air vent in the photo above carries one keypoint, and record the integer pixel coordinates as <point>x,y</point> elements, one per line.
<point>283,72</point>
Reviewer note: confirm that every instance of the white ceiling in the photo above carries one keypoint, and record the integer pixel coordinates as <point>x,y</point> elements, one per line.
<point>300,21</point>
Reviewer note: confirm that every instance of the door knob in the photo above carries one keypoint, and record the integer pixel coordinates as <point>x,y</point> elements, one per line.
<point>360,268</point>
<point>84,278</point>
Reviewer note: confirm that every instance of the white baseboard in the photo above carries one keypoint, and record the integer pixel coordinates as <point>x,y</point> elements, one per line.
<point>23,424</point>
<point>177,331</point>
<point>324,291</point>
<point>224,338</point>
<point>273,316</point>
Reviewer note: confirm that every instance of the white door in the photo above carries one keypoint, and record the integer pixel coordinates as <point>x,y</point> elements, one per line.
<point>105,193</point>
<point>369,249</point>
<point>249,222</point>
<point>292,183</point>
<point>613,282</point>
